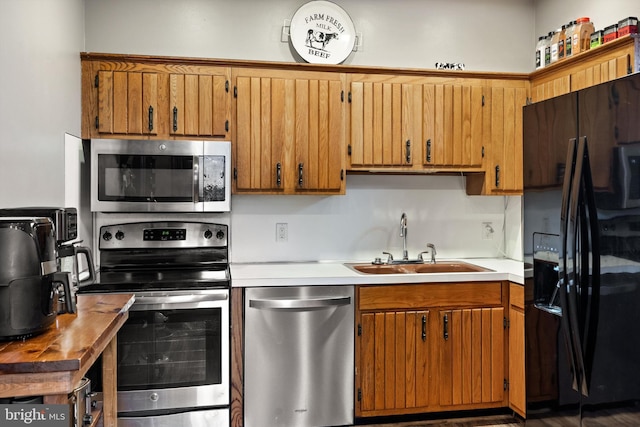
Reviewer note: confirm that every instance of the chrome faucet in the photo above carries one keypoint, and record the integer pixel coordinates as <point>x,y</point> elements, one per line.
<point>403,234</point>
<point>433,252</point>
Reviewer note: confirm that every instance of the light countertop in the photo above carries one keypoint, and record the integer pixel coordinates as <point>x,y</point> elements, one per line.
<point>337,273</point>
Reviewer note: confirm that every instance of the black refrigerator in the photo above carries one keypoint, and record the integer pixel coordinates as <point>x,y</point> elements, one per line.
<point>582,255</point>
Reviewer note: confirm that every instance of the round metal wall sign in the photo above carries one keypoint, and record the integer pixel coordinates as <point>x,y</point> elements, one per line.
<point>322,33</point>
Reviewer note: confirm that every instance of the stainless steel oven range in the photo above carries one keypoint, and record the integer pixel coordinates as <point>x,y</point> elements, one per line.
<point>173,351</point>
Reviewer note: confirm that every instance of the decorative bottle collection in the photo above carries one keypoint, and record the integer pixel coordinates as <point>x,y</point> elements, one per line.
<point>578,36</point>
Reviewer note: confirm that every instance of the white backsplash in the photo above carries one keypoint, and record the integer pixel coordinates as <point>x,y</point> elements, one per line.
<point>366,221</point>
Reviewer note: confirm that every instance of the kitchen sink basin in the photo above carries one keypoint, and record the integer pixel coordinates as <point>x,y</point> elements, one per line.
<point>440,267</point>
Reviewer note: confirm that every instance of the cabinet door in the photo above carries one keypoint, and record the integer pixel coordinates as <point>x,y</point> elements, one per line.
<point>393,363</point>
<point>289,133</point>
<point>200,104</point>
<point>319,135</point>
<point>517,385</point>
<point>264,127</point>
<point>504,169</point>
<point>385,121</point>
<point>471,352</point>
<point>127,103</point>
<point>453,124</point>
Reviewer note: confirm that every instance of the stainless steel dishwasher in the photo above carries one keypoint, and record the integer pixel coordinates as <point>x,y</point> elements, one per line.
<point>299,356</point>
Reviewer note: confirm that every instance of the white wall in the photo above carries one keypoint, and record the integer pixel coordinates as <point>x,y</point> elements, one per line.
<point>366,221</point>
<point>40,97</point>
<point>488,35</point>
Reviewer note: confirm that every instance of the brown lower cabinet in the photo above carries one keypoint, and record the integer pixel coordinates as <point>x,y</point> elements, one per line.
<point>431,347</point>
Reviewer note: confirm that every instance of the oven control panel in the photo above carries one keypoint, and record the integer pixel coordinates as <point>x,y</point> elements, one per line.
<point>164,234</point>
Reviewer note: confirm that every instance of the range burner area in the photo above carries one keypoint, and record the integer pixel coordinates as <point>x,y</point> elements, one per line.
<point>173,351</point>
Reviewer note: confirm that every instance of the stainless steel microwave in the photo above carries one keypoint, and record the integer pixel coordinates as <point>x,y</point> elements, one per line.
<point>160,176</point>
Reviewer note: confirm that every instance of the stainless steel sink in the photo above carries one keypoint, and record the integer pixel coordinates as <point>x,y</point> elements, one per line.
<point>440,267</point>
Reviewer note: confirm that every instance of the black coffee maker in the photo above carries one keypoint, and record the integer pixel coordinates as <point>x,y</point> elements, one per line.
<point>70,253</point>
<point>29,276</point>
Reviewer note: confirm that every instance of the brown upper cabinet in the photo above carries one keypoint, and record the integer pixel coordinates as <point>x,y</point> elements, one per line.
<point>415,123</point>
<point>127,103</point>
<point>199,104</point>
<point>505,99</point>
<point>289,137</point>
<point>298,128</point>
<point>154,98</point>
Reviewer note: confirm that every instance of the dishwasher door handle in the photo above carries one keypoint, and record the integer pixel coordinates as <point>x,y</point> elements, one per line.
<point>296,304</point>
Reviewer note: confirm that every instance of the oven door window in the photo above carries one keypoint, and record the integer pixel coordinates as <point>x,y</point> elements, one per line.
<point>145,178</point>
<point>170,348</point>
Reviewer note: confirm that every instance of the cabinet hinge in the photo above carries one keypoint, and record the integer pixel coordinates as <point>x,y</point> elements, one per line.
<point>341,96</point>
<point>341,174</point>
<point>349,97</point>
<point>235,174</point>
<point>235,91</point>
<point>505,323</point>
<point>483,151</point>
<point>97,123</point>
<point>483,100</point>
<point>226,86</point>
<point>505,384</point>
<point>359,395</point>
<point>226,125</point>
<point>359,330</point>
<point>95,82</point>
<point>349,149</point>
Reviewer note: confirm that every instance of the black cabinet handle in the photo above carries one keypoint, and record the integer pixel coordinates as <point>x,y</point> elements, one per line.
<point>428,150</point>
<point>175,119</point>
<point>497,176</point>
<point>408,150</point>
<point>424,328</point>
<point>300,173</point>
<point>278,174</point>
<point>446,327</point>
<point>150,118</point>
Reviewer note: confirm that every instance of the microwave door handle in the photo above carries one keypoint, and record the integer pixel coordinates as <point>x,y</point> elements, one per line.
<point>197,182</point>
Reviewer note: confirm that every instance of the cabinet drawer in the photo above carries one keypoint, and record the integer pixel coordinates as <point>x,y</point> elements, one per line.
<point>468,294</point>
<point>516,295</point>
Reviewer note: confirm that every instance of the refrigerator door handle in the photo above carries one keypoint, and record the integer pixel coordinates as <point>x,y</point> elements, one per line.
<point>577,276</point>
<point>565,280</point>
<point>590,276</point>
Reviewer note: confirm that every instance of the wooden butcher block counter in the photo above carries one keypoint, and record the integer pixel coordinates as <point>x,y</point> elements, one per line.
<point>53,363</point>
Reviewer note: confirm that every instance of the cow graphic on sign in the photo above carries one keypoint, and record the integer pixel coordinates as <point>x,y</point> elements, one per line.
<point>322,32</point>
<point>318,39</point>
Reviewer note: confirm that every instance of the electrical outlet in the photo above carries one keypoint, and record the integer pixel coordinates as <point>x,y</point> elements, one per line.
<point>487,230</point>
<point>282,232</point>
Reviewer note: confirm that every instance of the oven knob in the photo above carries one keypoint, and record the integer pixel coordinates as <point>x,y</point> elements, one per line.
<point>220,235</point>
<point>119,235</point>
<point>107,236</point>
<point>208,234</point>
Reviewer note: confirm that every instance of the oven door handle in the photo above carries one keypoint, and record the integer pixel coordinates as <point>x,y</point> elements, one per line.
<point>177,301</point>
<point>297,304</point>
